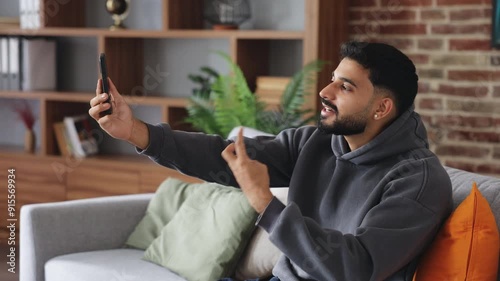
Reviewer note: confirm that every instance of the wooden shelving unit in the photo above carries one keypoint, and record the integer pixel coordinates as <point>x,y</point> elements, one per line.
<point>46,176</point>
<point>178,34</point>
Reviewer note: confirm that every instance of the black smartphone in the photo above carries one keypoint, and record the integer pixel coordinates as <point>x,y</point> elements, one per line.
<point>105,83</point>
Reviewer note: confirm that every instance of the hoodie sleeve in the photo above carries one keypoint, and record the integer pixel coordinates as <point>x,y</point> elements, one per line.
<point>392,234</point>
<point>199,155</point>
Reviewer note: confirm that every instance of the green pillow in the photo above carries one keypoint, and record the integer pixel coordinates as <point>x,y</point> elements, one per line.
<point>207,235</point>
<point>161,209</point>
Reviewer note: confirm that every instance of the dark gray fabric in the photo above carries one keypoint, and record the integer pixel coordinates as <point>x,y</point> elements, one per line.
<point>360,215</point>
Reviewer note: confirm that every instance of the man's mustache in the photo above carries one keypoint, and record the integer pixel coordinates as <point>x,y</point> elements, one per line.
<point>329,104</point>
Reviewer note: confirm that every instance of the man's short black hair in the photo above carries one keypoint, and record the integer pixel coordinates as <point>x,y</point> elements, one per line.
<point>389,68</point>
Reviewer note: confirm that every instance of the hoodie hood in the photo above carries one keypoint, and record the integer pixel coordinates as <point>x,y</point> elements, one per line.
<point>405,133</point>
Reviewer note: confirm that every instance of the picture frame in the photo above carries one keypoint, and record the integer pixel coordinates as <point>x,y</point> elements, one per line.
<point>495,28</point>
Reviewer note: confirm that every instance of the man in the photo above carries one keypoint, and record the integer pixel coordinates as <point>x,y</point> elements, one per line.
<point>366,196</point>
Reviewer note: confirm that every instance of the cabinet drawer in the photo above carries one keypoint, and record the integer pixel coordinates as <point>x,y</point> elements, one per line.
<point>35,182</point>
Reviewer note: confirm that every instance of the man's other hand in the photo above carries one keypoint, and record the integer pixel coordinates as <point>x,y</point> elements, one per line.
<point>251,175</point>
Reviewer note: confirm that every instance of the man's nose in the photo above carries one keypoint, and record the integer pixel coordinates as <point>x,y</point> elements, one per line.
<point>328,92</point>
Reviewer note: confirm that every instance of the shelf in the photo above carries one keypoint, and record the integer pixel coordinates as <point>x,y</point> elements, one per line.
<point>184,33</point>
<point>8,151</point>
<point>86,97</point>
<point>19,95</point>
<point>17,151</point>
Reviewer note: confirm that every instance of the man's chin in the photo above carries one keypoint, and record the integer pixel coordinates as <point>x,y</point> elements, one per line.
<point>326,127</point>
<point>338,129</point>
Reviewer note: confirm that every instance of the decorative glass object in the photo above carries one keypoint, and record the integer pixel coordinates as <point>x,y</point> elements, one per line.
<point>226,14</point>
<point>119,10</point>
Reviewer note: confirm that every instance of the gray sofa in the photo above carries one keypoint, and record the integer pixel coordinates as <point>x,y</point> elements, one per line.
<point>83,239</point>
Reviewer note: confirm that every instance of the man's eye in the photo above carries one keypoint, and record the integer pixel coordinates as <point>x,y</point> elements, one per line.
<point>344,87</point>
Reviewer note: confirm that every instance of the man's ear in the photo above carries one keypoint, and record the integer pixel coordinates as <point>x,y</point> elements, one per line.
<point>385,107</point>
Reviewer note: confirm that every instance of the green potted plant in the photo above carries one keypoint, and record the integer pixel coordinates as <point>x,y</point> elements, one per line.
<point>222,102</point>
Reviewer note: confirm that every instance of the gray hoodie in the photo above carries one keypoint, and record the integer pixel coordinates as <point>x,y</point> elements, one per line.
<point>352,215</point>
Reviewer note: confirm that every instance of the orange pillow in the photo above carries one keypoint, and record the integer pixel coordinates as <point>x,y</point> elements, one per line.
<point>467,246</point>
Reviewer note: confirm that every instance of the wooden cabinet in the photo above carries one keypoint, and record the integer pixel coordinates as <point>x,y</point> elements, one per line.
<point>40,179</point>
<point>34,182</point>
<point>80,185</point>
<point>47,176</point>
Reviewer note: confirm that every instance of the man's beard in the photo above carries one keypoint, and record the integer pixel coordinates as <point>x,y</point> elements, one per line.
<point>344,125</point>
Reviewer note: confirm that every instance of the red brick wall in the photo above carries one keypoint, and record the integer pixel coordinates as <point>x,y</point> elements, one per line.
<point>459,85</point>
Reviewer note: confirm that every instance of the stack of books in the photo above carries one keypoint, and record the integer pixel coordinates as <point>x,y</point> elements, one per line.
<point>9,22</point>
<point>27,64</point>
<point>270,89</point>
<point>74,136</point>
<point>30,14</point>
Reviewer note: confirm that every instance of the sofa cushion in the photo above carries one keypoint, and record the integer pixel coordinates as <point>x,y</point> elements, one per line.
<point>208,233</point>
<point>107,265</point>
<point>261,255</point>
<point>488,186</point>
<point>158,213</point>
<point>462,249</point>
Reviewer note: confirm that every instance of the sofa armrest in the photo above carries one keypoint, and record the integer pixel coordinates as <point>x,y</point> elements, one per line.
<point>48,230</point>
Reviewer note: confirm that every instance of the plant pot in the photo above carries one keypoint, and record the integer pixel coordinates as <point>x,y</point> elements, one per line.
<point>29,141</point>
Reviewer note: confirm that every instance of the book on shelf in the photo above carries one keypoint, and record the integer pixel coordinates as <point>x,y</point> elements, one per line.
<point>79,131</point>
<point>271,103</point>
<point>38,64</point>
<point>10,59</point>
<point>62,139</point>
<point>272,82</point>
<point>36,14</point>
<point>14,63</point>
<point>270,89</point>
<point>269,96</point>
<point>30,14</point>
<point>4,63</point>
<point>9,22</point>
<point>27,64</point>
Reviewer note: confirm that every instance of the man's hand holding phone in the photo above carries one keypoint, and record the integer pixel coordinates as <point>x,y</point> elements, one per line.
<point>120,123</point>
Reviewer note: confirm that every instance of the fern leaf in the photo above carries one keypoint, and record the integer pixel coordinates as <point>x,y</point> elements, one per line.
<point>226,105</point>
<point>210,71</point>
<point>244,98</point>
<point>201,115</point>
<point>300,86</point>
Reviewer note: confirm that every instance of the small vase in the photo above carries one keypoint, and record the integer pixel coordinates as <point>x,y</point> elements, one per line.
<point>29,141</point>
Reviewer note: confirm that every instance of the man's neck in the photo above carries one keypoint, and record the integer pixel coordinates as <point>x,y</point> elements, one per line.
<point>357,141</point>
<point>372,130</point>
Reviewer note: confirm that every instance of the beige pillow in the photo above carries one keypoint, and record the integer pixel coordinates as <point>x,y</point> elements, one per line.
<point>261,255</point>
